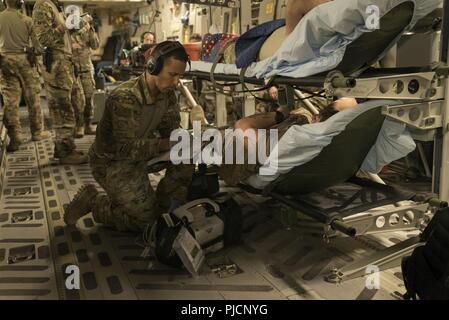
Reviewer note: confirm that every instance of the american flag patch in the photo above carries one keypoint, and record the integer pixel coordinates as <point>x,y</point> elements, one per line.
<point>214,43</point>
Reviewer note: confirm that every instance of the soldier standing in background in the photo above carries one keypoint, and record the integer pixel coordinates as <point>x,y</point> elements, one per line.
<point>52,33</point>
<point>18,73</point>
<point>83,41</point>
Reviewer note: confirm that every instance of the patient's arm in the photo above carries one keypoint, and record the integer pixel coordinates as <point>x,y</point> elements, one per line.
<point>296,9</point>
<point>260,121</point>
<point>257,121</point>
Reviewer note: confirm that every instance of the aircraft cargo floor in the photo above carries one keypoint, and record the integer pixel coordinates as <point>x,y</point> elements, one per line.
<point>275,262</point>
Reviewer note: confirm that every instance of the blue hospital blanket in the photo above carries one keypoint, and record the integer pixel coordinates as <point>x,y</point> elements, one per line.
<point>301,144</point>
<point>319,41</point>
<point>248,45</point>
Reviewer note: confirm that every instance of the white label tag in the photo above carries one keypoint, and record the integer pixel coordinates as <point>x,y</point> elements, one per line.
<point>168,220</point>
<point>189,251</point>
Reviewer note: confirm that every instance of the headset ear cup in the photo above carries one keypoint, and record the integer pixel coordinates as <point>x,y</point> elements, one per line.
<point>154,65</point>
<point>158,66</point>
<point>150,65</point>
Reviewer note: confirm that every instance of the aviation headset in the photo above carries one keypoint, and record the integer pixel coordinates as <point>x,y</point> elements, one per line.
<point>155,62</point>
<point>19,3</point>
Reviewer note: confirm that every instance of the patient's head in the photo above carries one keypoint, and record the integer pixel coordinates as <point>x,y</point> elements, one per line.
<point>335,107</point>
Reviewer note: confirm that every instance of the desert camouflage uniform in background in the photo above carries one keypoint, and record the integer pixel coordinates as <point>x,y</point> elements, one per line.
<point>127,138</point>
<point>79,104</point>
<point>17,75</point>
<point>88,40</point>
<point>51,32</point>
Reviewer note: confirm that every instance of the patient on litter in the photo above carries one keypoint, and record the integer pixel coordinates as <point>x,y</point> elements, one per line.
<point>282,120</point>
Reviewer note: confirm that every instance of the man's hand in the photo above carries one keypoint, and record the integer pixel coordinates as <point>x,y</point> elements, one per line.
<point>87,18</point>
<point>285,111</point>
<point>76,46</point>
<point>86,26</point>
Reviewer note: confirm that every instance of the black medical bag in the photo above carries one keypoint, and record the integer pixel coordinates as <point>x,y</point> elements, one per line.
<point>426,271</point>
<point>214,223</point>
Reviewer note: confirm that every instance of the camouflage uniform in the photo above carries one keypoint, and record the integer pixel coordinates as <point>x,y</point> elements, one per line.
<point>50,29</point>
<point>78,102</point>
<point>127,137</point>
<point>88,40</point>
<point>16,73</point>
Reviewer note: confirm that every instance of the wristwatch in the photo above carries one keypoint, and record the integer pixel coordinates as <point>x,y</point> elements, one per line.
<point>279,117</point>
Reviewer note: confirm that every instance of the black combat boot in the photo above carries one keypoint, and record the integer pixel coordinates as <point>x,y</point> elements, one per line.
<point>13,146</point>
<point>66,153</point>
<point>81,204</point>
<point>89,128</point>
<point>79,132</point>
<point>40,135</point>
<point>14,142</point>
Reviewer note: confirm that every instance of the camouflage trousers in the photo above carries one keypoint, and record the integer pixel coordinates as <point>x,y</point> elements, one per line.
<point>130,202</point>
<point>78,102</point>
<point>58,86</point>
<point>17,77</point>
<point>88,84</point>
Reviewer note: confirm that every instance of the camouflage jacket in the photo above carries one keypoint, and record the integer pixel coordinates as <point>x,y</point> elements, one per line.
<point>133,122</point>
<point>49,27</point>
<point>88,40</point>
<point>16,32</point>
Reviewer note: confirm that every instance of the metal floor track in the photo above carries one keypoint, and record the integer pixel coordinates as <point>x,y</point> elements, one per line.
<point>275,262</point>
